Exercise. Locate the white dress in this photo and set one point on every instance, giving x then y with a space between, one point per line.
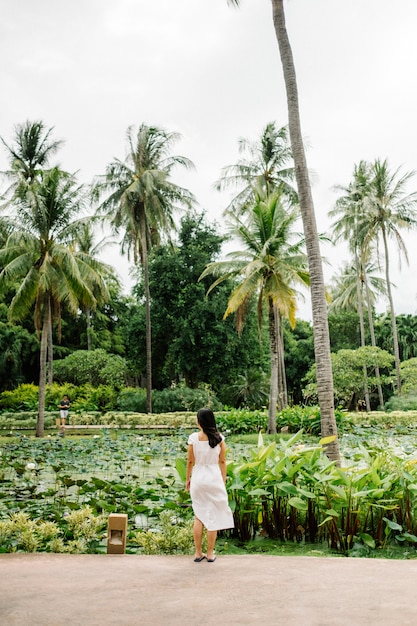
207 489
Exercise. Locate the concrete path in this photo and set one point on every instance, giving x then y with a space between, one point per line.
130 590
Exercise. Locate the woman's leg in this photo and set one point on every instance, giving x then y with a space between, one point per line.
211 541
198 537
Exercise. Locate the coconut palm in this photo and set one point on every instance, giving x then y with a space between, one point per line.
389 209
37 258
318 292
250 389
351 226
28 155
267 162
87 250
266 165
348 293
140 201
269 266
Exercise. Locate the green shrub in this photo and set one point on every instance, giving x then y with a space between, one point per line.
182 398
24 397
82 398
176 398
241 421
174 537
132 399
104 398
402 403
308 419
89 398
81 534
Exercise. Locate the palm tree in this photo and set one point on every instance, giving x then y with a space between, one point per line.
350 225
141 200
347 294
264 166
87 251
37 257
250 389
267 164
407 336
268 266
29 155
318 293
389 209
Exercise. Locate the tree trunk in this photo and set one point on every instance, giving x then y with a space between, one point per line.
362 329
147 313
284 375
373 340
282 383
89 329
318 299
50 348
393 320
273 390
42 372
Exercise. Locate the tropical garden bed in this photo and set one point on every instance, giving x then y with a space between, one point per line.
56 493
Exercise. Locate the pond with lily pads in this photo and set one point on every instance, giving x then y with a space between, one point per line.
286 490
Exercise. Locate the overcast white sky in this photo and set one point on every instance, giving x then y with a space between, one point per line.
91 68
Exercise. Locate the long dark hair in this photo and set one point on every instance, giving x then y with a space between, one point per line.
205 418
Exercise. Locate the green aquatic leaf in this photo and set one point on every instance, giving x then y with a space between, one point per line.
298 503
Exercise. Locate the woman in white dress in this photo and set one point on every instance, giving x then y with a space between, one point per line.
205 480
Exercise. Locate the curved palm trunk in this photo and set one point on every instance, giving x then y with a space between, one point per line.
319 306
273 390
373 339
393 320
147 314
362 329
42 373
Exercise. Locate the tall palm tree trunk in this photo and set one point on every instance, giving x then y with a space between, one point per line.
373 339
50 348
273 389
40 432
89 328
147 313
393 320
319 306
282 382
362 330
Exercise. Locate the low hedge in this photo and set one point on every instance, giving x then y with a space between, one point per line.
27 420
234 421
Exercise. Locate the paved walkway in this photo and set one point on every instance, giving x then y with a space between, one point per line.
129 590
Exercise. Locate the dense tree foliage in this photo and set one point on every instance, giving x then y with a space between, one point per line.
344 331
299 357
96 367
191 341
348 376
19 356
